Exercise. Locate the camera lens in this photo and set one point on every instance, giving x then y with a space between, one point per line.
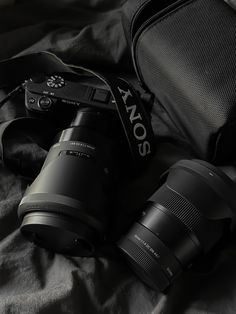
65 209
182 221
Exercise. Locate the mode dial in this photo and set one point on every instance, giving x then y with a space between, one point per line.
55 81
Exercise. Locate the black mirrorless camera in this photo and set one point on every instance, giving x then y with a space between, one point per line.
65 209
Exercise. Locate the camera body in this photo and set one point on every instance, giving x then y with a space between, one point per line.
65 209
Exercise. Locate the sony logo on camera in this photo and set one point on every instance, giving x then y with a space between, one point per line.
137 122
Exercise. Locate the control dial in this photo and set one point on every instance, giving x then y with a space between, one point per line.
56 81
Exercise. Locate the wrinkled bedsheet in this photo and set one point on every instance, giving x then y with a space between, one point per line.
34 280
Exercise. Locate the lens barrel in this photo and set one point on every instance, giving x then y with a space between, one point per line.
65 209
184 219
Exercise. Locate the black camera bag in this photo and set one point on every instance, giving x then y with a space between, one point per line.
185 53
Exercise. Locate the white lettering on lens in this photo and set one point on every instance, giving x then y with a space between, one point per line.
82 144
169 271
147 246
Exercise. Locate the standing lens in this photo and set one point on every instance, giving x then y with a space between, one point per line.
185 218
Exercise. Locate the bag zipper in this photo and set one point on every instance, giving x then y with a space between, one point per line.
144 18
145 11
135 18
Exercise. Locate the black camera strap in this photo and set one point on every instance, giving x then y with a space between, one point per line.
134 118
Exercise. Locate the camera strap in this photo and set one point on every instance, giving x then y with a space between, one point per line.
134 117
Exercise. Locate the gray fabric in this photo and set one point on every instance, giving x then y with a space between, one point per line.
33 280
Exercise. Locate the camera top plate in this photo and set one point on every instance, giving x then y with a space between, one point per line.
42 93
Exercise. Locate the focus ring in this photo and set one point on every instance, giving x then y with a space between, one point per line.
180 207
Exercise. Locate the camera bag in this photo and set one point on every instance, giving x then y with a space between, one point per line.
185 53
